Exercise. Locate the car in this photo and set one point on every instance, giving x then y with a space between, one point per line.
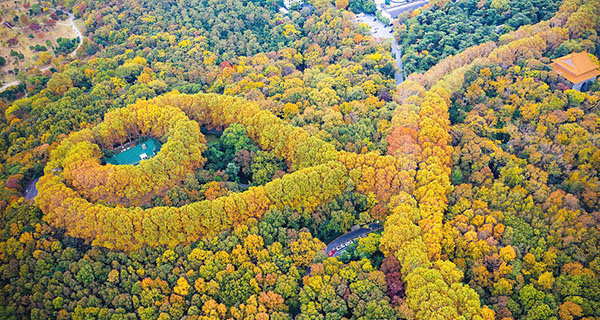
331 253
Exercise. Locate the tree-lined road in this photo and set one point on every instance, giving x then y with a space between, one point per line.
77 32
31 191
378 29
382 31
408 6
337 246
397 51
14 83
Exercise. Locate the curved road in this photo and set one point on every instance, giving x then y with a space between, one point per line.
382 31
337 246
74 27
31 191
71 22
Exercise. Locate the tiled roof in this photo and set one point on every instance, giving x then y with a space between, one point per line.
576 67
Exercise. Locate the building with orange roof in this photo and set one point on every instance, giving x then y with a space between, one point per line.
578 68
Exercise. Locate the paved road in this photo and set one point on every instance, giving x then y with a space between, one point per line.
74 27
31 192
378 29
397 52
341 243
14 83
382 31
17 82
395 11
72 54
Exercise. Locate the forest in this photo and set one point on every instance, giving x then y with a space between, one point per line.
282 133
449 28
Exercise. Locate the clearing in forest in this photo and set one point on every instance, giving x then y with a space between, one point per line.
30 36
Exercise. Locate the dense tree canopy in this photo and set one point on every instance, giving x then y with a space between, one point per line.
449 27
282 132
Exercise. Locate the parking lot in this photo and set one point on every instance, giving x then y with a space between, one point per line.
378 29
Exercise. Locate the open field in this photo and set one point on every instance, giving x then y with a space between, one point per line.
19 36
80 25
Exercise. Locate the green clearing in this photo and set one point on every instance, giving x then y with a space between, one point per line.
142 151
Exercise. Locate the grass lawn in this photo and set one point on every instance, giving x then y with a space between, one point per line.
22 33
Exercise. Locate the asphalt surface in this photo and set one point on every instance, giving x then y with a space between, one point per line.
378 29
14 83
395 11
397 52
31 192
77 32
341 243
382 31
